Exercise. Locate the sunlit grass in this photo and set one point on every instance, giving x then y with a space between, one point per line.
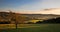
34 28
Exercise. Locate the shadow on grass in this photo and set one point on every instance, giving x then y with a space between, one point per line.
10 30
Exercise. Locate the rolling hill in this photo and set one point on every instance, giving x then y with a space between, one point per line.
12 17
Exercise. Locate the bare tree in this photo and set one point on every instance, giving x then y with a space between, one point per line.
17 18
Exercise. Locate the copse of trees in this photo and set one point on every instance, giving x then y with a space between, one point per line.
38 22
4 22
57 20
54 20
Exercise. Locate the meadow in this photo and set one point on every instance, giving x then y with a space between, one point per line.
31 28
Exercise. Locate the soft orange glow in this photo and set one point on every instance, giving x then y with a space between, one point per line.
48 11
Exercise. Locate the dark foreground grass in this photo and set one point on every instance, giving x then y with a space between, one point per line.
41 28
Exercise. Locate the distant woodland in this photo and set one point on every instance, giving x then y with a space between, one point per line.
11 18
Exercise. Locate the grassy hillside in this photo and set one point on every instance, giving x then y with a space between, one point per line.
35 28
11 17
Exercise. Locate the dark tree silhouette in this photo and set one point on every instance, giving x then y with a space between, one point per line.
38 22
53 20
4 22
57 20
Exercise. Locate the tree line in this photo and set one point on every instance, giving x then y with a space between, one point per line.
54 20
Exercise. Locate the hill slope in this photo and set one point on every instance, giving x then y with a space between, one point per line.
12 17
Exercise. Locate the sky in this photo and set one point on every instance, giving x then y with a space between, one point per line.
28 6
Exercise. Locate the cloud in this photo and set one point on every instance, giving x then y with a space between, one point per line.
51 11
50 4
38 5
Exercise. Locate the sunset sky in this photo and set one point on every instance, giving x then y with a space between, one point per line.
30 6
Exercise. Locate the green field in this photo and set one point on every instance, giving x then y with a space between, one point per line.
34 28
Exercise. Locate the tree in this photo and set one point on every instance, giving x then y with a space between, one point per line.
12 17
16 17
38 22
19 19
